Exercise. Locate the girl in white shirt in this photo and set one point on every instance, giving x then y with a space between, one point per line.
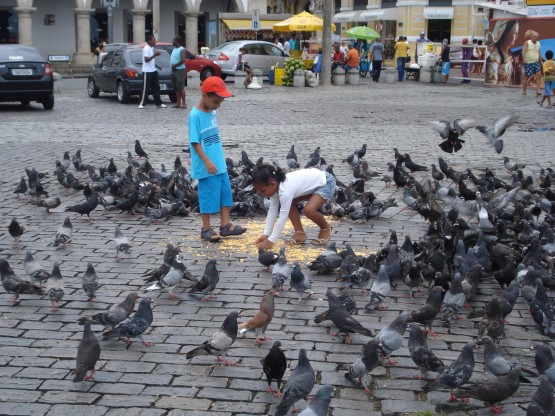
284 191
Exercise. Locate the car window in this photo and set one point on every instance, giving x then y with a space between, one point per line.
276 51
162 61
226 47
108 58
9 53
117 58
253 49
265 49
137 58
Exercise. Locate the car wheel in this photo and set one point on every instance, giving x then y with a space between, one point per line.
123 94
25 102
91 89
172 97
206 72
48 103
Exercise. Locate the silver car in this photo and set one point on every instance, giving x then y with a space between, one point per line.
260 55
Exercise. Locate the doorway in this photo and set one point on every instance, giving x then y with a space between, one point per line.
439 29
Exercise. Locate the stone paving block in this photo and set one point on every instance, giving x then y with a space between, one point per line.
29 409
69 410
137 411
393 407
119 388
126 400
18 395
185 403
74 397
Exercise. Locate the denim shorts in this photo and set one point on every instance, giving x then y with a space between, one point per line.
445 67
326 191
214 192
547 87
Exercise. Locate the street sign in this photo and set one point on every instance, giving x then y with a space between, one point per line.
379 27
256 19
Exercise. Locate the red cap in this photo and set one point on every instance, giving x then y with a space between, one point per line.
217 86
465 40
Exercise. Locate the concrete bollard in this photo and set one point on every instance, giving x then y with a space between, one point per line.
339 76
258 74
239 79
353 76
193 80
390 75
298 78
57 83
425 74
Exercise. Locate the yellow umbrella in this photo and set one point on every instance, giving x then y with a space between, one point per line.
302 22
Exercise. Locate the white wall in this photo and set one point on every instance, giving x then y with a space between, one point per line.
58 39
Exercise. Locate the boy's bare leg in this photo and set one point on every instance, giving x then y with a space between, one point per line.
224 215
205 221
311 211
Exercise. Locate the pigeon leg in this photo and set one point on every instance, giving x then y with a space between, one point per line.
497 409
364 292
91 300
453 398
145 343
411 295
278 394
14 298
173 295
269 390
295 410
348 339
93 372
53 308
388 362
381 307
365 387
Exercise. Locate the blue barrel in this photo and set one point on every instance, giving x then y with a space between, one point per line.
271 76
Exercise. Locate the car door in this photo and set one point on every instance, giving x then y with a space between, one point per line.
253 56
277 57
100 73
112 71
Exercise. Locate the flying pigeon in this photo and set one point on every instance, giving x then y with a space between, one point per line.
451 135
494 131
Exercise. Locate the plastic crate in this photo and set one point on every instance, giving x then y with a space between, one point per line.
278 73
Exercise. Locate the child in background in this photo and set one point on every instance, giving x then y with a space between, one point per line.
548 78
284 191
208 161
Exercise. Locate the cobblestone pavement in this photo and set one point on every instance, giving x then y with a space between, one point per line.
38 348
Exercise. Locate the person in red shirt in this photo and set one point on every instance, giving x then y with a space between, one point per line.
338 57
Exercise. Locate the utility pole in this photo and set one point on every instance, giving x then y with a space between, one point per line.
325 76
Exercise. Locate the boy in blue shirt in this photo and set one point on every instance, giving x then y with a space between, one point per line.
208 161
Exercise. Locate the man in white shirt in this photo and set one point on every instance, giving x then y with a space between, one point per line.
151 84
286 47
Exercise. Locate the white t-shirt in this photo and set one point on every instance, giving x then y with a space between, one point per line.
286 48
149 66
298 183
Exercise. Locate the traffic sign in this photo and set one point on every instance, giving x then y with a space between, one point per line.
256 19
379 27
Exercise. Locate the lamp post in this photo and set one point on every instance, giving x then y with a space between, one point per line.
110 5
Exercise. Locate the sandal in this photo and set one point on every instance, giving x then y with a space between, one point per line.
323 236
539 103
210 235
298 237
231 229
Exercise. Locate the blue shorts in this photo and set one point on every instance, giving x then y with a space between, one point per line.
214 192
547 87
326 191
445 67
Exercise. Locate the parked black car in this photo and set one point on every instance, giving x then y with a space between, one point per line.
121 72
25 76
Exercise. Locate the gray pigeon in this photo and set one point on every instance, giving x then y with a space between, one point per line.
379 291
369 360
391 337
494 131
327 261
121 242
542 310
208 283
136 326
343 320
421 354
457 374
169 254
220 342
453 301
50 203
542 403
16 231
280 271
34 269
88 354
55 287
361 276
299 281
63 235
89 282
15 285
545 363
116 314
298 386
321 403
174 276
267 258
393 265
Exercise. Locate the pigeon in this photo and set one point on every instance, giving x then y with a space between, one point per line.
427 313
280 271
262 318
493 391
86 207
413 279
55 287
453 301
134 327
208 283
175 275
298 386
343 320
299 281
369 360
393 265
139 150
267 258
542 403
313 159
88 354
274 366
15 285
361 276
169 255
451 135
457 374
492 323
379 291
220 342
121 242
63 235
321 403
291 158
494 362
113 316
494 131
391 337
421 354
15 231
327 261
50 203
34 269
542 310
413 167
346 300
21 187
89 282
545 363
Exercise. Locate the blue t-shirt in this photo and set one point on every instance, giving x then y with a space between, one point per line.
176 57
203 129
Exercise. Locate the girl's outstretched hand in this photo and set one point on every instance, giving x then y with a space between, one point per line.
265 244
261 239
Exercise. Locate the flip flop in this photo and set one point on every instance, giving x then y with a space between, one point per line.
539 103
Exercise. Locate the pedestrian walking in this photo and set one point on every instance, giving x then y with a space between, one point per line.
532 62
151 84
401 50
376 55
445 61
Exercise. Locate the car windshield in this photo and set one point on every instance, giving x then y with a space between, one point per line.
14 54
162 61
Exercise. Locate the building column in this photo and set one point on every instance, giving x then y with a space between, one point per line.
191 32
83 54
156 18
25 24
138 25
